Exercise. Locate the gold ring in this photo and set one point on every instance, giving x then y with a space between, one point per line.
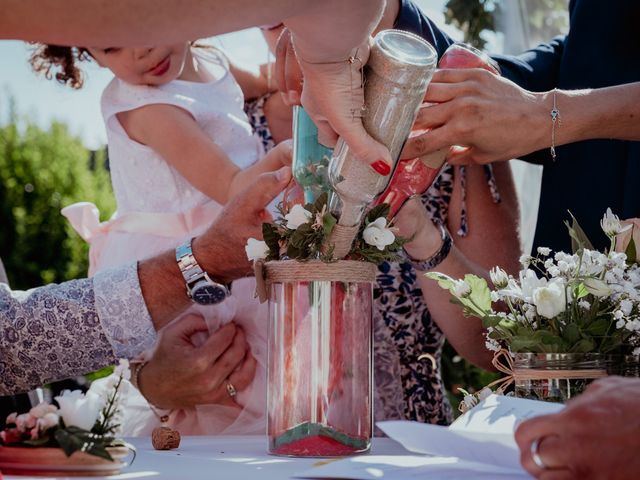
231 390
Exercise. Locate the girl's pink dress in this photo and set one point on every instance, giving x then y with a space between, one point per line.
158 209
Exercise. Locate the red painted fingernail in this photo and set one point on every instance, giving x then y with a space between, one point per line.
381 167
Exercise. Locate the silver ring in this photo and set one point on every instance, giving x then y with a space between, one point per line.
231 390
535 454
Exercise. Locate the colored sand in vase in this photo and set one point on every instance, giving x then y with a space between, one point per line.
317 440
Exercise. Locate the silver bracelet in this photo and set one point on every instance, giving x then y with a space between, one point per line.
555 118
437 258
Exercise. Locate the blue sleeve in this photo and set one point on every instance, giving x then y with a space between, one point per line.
536 70
411 19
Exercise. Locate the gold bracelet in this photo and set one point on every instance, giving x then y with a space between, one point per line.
555 118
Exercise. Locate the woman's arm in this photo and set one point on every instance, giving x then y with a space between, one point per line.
498 120
492 240
253 83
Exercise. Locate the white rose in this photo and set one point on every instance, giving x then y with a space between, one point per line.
461 289
25 422
78 409
550 301
378 235
499 277
256 249
596 287
297 216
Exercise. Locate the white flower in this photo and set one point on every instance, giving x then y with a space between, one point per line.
550 301
626 306
584 304
122 370
492 345
611 225
256 249
620 324
79 409
554 271
618 315
525 260
596 287
544 251
636 351
11 418
378 235
48 421
461 289
298 215
499 277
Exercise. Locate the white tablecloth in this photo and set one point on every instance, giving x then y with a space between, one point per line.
223 458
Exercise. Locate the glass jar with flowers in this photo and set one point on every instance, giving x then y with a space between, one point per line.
567 319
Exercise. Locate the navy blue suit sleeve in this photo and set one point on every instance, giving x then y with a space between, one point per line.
537 69
411 19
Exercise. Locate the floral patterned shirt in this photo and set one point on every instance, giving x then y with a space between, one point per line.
58 331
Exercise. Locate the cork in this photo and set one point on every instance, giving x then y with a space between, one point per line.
165 438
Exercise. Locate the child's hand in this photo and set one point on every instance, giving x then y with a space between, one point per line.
412 221
281 155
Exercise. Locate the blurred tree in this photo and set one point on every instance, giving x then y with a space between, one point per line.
42 171
546 19
472 17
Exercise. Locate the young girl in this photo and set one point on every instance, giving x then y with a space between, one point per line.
180 147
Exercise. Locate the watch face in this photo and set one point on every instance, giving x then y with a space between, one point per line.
206 294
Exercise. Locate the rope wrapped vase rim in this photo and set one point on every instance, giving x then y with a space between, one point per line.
283 271
503 362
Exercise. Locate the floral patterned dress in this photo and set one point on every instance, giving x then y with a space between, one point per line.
405 387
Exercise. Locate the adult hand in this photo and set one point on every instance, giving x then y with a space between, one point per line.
412 221
181 375
597 436
332 94
491 117
220 250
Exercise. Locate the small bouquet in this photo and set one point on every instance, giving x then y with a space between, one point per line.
82 423
302 232
585 302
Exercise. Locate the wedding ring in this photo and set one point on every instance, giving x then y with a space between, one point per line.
231 390
535 454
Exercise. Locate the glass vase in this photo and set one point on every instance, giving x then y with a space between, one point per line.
558 377
319 394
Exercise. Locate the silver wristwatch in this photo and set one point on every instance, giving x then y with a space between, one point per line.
200 287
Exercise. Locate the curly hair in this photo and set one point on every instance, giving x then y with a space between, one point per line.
46 59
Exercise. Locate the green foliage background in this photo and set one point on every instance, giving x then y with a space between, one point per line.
42 171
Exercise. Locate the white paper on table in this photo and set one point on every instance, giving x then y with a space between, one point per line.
482 435
407 467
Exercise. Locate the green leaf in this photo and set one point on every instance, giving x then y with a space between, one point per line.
580 291
585 345
320 202
571 333
480 293
631 251
378 211
73 439
579 239
271 237
598 328
328 222
444 281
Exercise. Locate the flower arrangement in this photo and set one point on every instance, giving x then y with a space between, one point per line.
584 302
85 422
301 233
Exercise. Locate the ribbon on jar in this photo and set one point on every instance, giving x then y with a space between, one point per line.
503 362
